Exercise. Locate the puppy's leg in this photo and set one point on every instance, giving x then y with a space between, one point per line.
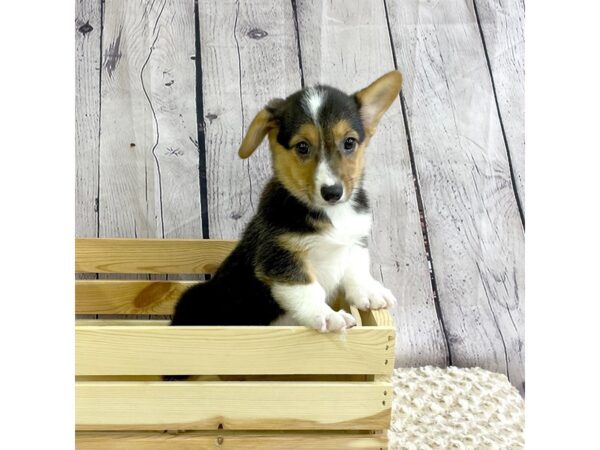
306 304
361 289
296 290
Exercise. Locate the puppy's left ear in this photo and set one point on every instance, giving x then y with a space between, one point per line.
375 99
262 123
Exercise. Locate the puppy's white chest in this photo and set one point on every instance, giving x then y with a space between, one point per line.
329 253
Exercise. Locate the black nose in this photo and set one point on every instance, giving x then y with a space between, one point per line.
332 193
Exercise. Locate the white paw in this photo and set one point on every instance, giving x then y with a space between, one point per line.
334 321
371 295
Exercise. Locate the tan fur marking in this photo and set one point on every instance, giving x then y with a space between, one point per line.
342 130
258 129
376 98
307 132
348 167
294 172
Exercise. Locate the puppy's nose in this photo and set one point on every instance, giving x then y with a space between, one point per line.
333 193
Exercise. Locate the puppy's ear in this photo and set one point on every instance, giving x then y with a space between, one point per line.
262 123
375 99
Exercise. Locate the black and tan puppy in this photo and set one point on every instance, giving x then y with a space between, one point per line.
308 239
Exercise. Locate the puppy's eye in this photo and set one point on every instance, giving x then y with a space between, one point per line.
302 148
349 145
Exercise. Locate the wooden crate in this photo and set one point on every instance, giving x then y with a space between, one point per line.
253 387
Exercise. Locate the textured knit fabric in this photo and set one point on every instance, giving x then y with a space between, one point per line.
455 408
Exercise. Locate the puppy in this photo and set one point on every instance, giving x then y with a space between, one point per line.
307 242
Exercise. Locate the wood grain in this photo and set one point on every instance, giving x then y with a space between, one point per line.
346 44
223 440
128 296
160 256
149 185
249 56
163 350
88 30
206 405
502 25
475 231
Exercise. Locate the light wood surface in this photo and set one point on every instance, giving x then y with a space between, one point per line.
502 24
88 32
150 255
249 56
346 44
148 163
128 296
222 440
162 350
206 405
473 221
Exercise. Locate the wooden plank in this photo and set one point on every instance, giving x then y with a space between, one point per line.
160 350
502 24
222 440
206 405
88 31
128 296
249 56
475 231
149 181
150 255
358 51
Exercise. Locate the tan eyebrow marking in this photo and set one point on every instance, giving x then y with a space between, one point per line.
306 132
342 130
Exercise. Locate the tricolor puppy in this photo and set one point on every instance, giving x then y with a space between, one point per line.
308 240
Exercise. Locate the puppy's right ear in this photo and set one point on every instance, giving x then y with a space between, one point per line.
264 122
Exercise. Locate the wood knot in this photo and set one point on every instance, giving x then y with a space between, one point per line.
85 28
153 293
257 33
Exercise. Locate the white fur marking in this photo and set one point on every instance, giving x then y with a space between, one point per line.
362 290
312 102
305 304
328 254
324 176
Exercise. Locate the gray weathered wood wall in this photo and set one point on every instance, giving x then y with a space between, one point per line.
166 88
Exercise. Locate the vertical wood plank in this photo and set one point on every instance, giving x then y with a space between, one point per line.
502 26
149 183
249 55
476 235
346 44
88 31
88 36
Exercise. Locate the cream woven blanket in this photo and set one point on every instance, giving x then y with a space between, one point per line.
455 408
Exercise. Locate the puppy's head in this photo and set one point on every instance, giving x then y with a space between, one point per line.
318 138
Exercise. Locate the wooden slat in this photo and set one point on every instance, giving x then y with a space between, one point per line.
162 350
206 405
358 51
502 24
249 56
473 221
222 440
88 33
150 255
148 161
128 296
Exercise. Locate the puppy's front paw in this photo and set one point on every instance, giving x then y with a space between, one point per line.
334 321
371 295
